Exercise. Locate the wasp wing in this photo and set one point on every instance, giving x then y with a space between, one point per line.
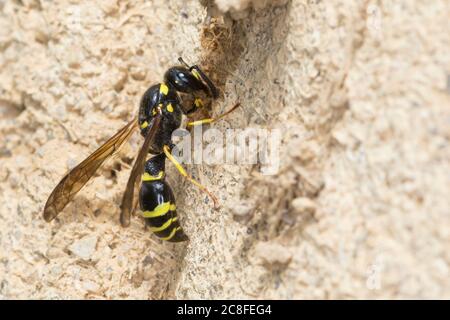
138 167
72 182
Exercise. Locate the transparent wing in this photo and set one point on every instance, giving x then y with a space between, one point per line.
72 182
138 167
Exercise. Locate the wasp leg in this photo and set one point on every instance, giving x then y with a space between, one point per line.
182 171
211 120
198 104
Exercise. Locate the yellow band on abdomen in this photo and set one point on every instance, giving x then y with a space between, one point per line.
160 210
170 236
164 226
148 177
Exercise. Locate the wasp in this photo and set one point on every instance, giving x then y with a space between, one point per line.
160 113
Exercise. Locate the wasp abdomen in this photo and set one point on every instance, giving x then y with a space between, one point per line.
157 202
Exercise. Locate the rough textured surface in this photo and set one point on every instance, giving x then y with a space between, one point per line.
360 208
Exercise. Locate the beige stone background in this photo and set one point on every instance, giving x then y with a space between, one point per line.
359 209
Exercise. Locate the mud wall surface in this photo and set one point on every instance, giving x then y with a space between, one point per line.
359 91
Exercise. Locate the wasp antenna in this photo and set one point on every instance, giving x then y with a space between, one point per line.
180 59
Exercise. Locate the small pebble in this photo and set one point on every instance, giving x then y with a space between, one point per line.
303 205
90 286
84 248
242 208
272 254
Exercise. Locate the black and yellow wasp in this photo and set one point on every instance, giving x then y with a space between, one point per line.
160 113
